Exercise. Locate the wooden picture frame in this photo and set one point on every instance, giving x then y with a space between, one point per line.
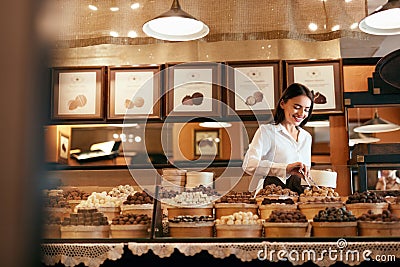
324 78
134 92
193 89
253 87
77 93
207 143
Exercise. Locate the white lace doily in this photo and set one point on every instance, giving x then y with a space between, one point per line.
321 253
92 255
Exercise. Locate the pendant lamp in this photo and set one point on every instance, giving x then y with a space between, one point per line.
215 124
359 138
317 124
383 21
175 25
377 125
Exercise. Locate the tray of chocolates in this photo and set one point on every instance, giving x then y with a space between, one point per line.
320 194
191 226
269 205
334 222
382 224
138 203
360 203
273 191
130 226
235 202
239 224
85 223
286 224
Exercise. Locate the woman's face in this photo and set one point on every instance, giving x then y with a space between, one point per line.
296 109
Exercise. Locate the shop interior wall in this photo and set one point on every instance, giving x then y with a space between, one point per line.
111 55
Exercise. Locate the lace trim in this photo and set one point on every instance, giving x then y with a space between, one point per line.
321 253
92 255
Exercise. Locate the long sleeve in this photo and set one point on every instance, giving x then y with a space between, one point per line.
257 162
272 149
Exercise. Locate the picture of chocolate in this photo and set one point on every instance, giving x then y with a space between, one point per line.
187 100
197 98
138 102
255 98
250 100
79 101
129 104
319 98
258 96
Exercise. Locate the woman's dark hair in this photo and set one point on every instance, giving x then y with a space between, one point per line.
295 89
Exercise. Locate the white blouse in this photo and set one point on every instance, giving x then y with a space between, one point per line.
273 148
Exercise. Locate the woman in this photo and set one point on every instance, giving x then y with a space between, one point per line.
388 181
282 150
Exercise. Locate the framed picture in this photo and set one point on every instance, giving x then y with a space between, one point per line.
63 148
323 77
77 93
193 89
206 143
253 87
134 92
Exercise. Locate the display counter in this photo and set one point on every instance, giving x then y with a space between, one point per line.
320 252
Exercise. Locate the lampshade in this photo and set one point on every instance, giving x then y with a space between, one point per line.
377 125
383 21
359 138
215 124
175 25
317 124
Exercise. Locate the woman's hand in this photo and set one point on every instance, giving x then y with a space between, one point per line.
296 167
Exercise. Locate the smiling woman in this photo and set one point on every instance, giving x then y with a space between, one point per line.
279 151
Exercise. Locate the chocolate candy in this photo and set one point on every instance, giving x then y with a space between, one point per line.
287 216
87 217
238 197
190 218
365 197
385 216
273 189
334 215
138 198
286 201
131 219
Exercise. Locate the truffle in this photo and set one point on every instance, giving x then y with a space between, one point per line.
197 98
187 100
319 98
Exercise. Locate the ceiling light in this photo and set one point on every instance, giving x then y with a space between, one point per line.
316 124
313 27
359 138
114 34
132 34
92 7
377 125
175 25
335 28
354 26
114 8
383 21
135 6
215 124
